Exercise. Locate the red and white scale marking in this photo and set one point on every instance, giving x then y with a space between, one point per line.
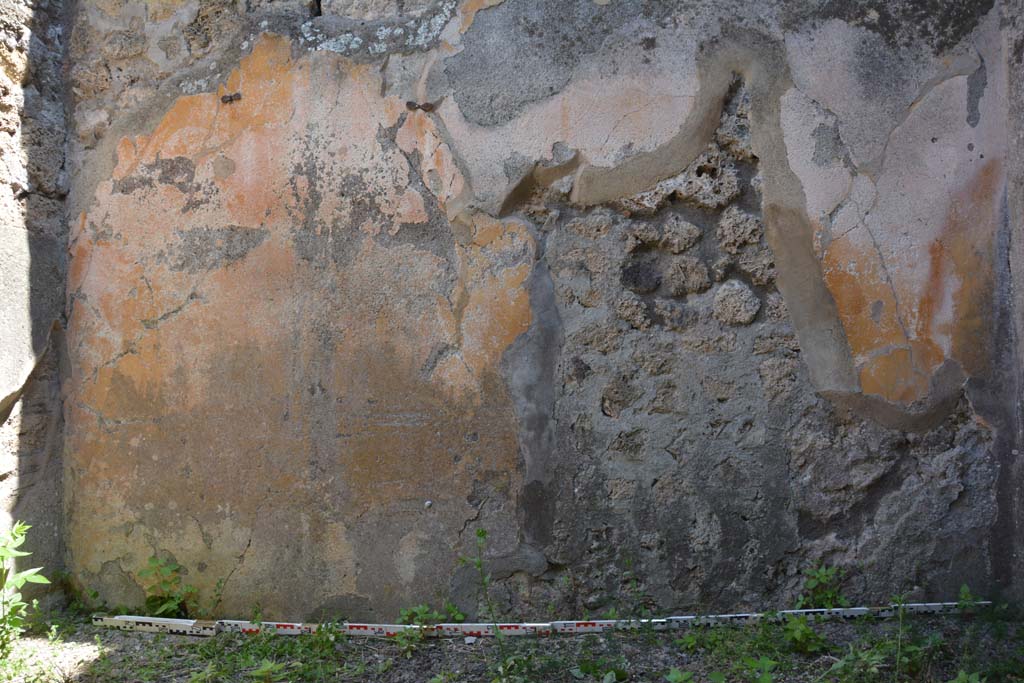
196 627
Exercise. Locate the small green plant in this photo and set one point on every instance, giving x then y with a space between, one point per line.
635 602
512 669
859 664
327 638
900 601
443 677
269 672
760 670
420 615
506 667
964 677
898 655
967 601
13 608
674 675
209 674
822 588
167 595
690 642
82 601
801 637
600 668
205 611
917 654
408 642
453 613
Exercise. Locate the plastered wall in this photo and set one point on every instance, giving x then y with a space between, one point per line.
693 293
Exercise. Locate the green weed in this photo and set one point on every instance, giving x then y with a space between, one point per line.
13 609
759 670
507 668
167 594
674 675
822 588
408 642
801 637
964 677
858 665
600 668
269 672
443 677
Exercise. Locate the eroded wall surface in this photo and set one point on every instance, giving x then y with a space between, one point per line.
33 245
691 294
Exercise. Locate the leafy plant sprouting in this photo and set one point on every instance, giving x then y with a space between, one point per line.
83 601
822 588
900 655
209 674
420 615
615 676
269 672
408 642
859 665
453 613
206 611
913 653
167 594
760 670
425 615
967 601
509 668
800 636
443 677
674 675
601 668
12 608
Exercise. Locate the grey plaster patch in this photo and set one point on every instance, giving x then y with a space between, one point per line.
939 24
522 51
202 249
828 146
870 87
529 365
178 172
976 83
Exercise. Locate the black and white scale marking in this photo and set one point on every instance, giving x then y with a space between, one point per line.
196 627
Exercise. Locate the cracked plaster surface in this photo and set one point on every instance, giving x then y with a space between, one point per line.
439 308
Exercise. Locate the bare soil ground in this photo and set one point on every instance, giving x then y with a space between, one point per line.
962 649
